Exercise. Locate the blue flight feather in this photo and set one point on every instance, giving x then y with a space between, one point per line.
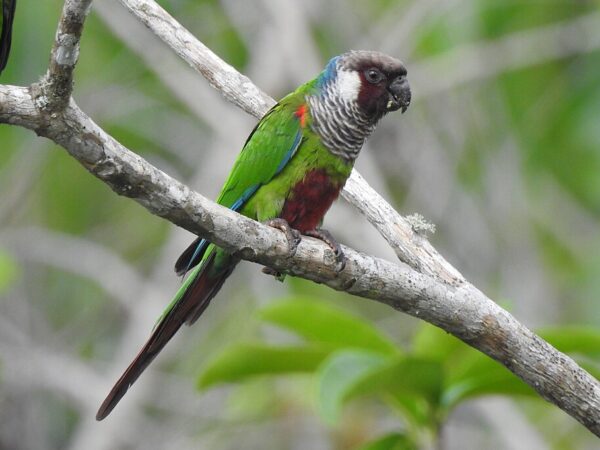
199 248
290 153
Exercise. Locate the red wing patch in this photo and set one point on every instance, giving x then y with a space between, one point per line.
301 115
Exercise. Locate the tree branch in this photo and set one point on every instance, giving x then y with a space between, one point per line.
57 84
438 295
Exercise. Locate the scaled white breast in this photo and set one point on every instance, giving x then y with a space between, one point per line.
348 85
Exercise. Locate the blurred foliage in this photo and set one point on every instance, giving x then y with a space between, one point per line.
422 385
9 270
505 163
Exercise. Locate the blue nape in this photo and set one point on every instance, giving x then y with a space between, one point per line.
329 73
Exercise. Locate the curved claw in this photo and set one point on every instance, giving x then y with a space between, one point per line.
325 236
340 262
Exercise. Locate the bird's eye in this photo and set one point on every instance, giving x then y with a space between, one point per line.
373 76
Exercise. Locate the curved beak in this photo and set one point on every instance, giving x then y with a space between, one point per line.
399 91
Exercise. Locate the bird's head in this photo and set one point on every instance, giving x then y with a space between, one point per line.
374 81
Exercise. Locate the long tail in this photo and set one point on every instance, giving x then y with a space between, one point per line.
8 14
189 303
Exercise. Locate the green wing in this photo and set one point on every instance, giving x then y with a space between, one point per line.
268 149
270 146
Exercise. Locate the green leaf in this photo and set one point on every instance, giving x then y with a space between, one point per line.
480 375
468 373
405 375
393 441
414 384
9 271
243 360
583 340
433 343
320 322
477 375
340 374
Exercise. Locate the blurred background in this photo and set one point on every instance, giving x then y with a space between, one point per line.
500 149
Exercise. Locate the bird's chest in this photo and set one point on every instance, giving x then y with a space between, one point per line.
309 199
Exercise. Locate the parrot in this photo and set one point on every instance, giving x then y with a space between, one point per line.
290 170
8 14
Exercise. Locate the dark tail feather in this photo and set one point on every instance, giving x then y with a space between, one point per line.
187 309
8 14
191 256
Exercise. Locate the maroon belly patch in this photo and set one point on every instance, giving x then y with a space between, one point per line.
309 200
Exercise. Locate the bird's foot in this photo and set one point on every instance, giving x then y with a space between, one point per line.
325 236
293 237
